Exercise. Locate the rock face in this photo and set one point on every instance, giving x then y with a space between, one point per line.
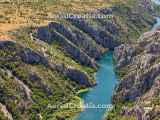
85 40
70 48
25 54
78 76
30 57
100 36
74 74
146 4
136 84
77 38
5 112
140 64
124 54
27 77
55 64
142 113
110 27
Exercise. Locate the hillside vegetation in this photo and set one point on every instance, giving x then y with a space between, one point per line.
46 62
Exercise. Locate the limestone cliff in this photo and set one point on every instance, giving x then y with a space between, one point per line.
46 65
139 68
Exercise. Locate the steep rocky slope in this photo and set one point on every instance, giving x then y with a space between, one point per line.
29 82
85 40
139 68
46 66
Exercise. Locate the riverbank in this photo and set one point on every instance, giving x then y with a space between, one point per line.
102 93
137 95
50 62
83 91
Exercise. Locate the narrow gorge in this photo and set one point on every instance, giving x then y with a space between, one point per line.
99 97
47 64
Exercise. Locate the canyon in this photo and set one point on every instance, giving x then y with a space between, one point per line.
49 64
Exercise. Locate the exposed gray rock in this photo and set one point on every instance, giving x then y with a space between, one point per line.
106 10
78 76
153 47
142 66
30 57
71 49
6 113
100 36
146 4
109 26
74 74
141 112
79 39
123 54
135 85
44 34
25 54
27 91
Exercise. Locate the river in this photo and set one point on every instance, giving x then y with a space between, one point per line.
102 93
157 24
156 1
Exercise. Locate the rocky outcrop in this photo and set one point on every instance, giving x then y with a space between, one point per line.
71 49
31 80
124 54
74 74
85 39
24 88
78 76
20 52
142 113
78 38
5 112
28 79
141 64
100 36
147 5
109 26
136 84
153 48
30 57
